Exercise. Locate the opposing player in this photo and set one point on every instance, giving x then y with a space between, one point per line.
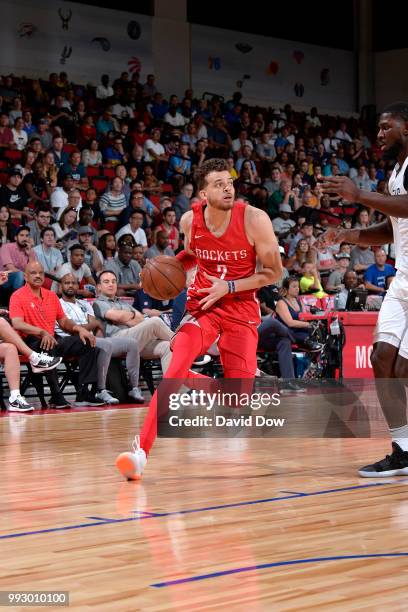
390 355
224 239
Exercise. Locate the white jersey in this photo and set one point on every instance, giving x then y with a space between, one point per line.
399 226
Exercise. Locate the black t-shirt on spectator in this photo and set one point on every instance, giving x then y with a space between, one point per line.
310 214
16 199
39 184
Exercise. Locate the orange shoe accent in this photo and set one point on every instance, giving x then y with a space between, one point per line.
124 463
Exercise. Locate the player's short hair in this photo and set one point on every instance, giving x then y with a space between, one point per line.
397 109
211 165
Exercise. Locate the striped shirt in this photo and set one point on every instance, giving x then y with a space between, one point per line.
111 203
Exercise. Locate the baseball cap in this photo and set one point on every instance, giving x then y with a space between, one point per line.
16 172
343 256
84 230
285 208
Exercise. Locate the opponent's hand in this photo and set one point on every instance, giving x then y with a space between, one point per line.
341 185
47 342
331 236
218 289
86 335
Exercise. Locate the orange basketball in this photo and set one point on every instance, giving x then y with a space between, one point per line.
163 277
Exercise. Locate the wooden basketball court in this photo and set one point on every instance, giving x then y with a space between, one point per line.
237 524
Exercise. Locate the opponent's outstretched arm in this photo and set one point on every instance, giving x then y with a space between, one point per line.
395 205
376 235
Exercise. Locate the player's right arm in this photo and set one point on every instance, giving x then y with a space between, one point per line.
376 235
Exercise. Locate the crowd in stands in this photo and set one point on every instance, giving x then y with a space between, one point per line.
97 179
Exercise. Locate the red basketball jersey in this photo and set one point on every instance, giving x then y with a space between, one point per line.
229 257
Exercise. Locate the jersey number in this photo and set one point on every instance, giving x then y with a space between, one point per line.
222 270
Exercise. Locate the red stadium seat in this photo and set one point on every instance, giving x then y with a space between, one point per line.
109 172
13 155
99 183
155 199
69 147
93 171
167 188
3 177
4 163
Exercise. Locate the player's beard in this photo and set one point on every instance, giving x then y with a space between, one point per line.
223 204
393 152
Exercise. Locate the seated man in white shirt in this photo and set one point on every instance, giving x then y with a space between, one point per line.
81 312
59 197
80 270
134 227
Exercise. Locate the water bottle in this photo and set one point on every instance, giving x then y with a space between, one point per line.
335 327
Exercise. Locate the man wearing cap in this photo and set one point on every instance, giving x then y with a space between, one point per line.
13 195
80 270
283 224
335 280
92 256
14 257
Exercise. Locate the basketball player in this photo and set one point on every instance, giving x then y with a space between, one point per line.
390 355
224 238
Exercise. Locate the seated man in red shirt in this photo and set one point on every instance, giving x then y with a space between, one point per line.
34 312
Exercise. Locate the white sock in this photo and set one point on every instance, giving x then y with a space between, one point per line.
400 436
34 358
14 393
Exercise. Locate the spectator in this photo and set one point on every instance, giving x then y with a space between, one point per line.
65 228
105 124
27 160
42 219
306 231
362 179
173 118
48 255
14 196
14 256
273 183
120 319
28 125
134 227
76 169
104 90
149 88
303 252
19 135
342 133
190 137
285 195
335 280
310 280
115 154
7 228
43 133
153 149
361 258
161 246
80 270
288 310
151 183
6 135
330 142
60 156
126 269
283 224
59 197
350 281
85 217
38 324
81 313
36 185
113 201
107 246
179 168
265 149
169 227
139 255
313 118
219 140
375 276
93 258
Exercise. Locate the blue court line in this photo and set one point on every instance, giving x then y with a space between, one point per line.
294 492
108 521
251 568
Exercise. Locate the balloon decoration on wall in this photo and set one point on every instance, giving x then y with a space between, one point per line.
65 18
298 56
273 68
324 76
134 64
104 43
134 30
214 63
243 47
65 54
26 29
299 90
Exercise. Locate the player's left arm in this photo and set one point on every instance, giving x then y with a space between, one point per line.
260 232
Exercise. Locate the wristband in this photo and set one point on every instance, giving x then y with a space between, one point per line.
231 286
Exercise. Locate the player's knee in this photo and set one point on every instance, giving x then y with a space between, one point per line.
401 368
382 360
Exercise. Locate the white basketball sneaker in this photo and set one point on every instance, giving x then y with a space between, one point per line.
131 464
